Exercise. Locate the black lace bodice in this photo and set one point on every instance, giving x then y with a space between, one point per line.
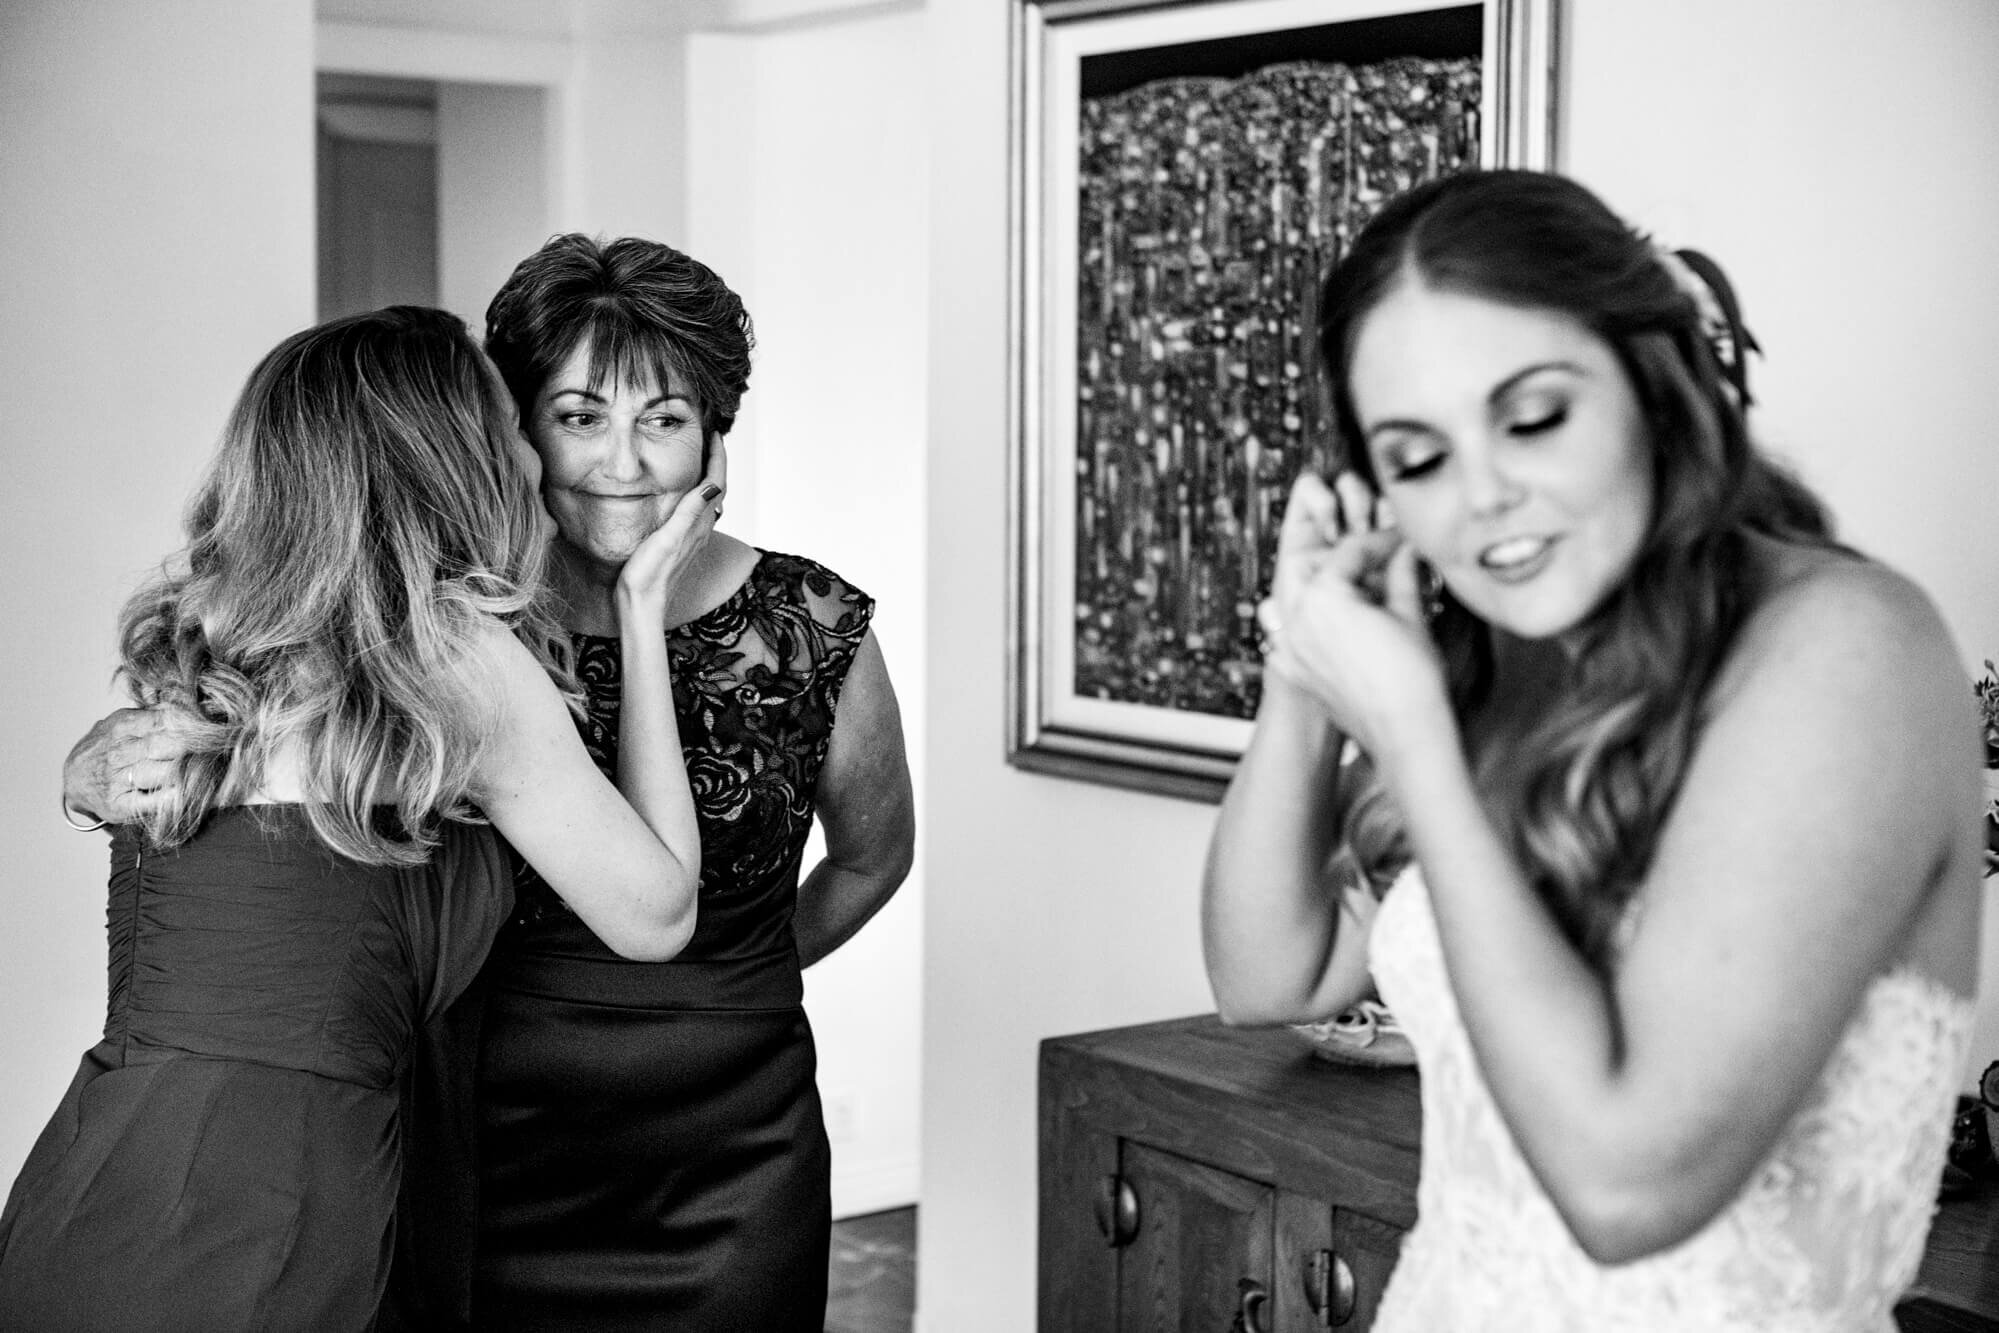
755 683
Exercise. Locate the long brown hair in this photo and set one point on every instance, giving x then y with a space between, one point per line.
1603 762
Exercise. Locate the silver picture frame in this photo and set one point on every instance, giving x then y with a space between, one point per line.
1063 719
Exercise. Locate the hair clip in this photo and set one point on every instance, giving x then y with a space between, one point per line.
1720 314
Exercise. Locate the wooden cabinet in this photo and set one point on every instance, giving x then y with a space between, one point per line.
1196 1178
1201 1179
1957 1289
1192 1229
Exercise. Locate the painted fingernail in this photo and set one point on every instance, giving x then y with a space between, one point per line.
710 491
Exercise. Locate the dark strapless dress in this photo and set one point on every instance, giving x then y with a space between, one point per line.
228 1156
646 1138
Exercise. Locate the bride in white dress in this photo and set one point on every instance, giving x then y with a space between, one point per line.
1679 799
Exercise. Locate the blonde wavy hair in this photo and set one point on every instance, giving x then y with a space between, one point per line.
366 511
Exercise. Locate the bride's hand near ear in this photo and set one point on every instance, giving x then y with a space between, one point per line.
1278 943
1345 617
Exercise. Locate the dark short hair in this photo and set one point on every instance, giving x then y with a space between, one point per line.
649 312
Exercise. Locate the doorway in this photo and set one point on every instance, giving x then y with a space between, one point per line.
376 164
430 190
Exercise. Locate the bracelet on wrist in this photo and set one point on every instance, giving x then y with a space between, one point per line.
80 828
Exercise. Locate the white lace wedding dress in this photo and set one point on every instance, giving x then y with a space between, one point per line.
1826 1235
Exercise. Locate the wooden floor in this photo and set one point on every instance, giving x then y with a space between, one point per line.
871 1278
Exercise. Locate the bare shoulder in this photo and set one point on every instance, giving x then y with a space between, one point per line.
1844 612
496 648
509 682
1850 651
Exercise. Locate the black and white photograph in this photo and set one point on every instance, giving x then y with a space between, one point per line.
1184 174
999 666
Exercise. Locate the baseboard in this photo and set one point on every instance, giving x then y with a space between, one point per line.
872 1187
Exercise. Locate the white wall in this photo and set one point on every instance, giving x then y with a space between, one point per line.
155 241
495 188
808 193
1054 906
608 86
1838 158
624 126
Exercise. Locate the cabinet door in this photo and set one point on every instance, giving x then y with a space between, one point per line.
1202 1234
1301 1268
1330 1266
1079 1225
1366 1250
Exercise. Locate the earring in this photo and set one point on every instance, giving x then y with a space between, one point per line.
1431 585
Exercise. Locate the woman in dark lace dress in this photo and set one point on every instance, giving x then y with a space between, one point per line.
649 1142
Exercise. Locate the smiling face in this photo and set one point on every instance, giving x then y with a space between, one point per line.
615 458
1512 448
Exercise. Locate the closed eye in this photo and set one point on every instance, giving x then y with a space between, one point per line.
1539 425
1406 450
1415 467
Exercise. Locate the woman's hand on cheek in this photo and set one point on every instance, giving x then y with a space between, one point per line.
655 567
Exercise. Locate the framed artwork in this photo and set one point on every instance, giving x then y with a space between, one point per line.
1183 175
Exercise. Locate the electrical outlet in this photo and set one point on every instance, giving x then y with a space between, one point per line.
843 1116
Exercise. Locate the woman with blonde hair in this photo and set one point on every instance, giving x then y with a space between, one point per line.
1685 845
357 644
